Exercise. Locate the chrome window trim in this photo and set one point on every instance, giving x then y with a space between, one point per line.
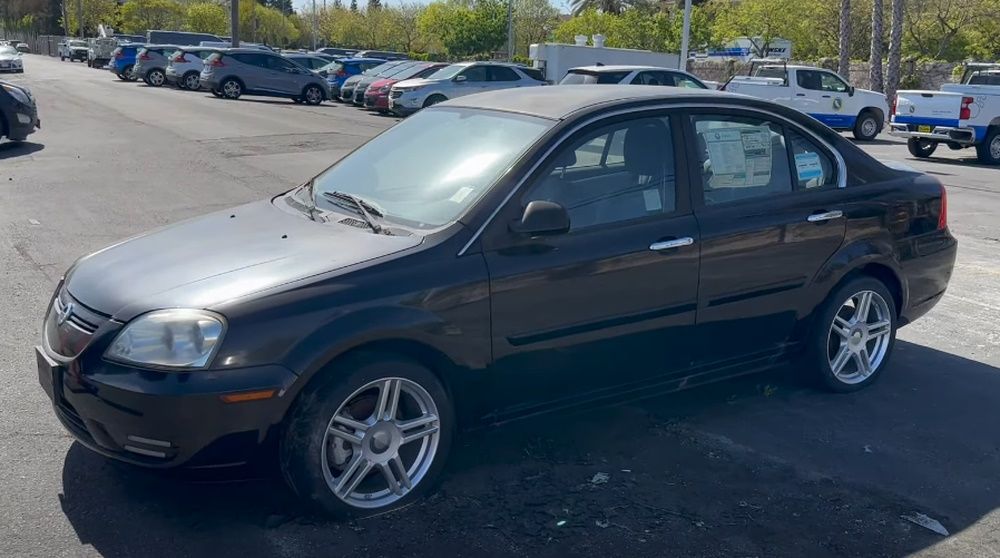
841 164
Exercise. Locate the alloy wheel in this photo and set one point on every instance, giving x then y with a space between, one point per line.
192 82
314 96
869 127
155 78
380 443
859 337
995 148
231 89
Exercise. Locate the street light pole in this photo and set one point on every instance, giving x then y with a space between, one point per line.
234 24
79 17
685 36
314 26
510 30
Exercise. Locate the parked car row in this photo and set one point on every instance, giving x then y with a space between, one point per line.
10 60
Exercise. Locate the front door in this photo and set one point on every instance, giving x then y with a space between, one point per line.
825 97
476 81
612 301
284 77
767 204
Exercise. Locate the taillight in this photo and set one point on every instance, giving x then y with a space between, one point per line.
145 57
892 107
965 112
179 57
341 73
217 63
119 56
943 214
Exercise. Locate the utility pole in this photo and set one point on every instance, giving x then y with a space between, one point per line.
315 15
685 36
510 30
234 24
79 17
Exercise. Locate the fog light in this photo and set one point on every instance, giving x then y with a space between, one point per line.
24 118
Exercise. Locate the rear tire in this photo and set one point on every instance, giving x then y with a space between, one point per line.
316 453
920 147
191 81
867 126
128 73
849 347
231 89
988 152
155 78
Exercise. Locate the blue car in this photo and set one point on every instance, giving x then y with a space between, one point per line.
123 60
338 72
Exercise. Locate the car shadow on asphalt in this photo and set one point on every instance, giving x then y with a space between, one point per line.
11 149
672 475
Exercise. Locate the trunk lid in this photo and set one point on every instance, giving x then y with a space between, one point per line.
934 108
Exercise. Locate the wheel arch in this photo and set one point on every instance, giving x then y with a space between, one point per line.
995 123
871 257
878 113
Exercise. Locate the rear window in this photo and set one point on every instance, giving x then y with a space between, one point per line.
984 79
779 73
534 73
582 77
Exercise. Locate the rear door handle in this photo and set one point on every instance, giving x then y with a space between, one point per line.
668 244
800 94
825 216
826 96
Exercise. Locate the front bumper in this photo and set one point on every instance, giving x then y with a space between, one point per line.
22 121
405 103
378 101
947 134
11 67
347 94
163 419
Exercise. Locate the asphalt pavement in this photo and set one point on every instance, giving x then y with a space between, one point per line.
762 466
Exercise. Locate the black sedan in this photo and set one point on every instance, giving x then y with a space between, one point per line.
496 256
18 112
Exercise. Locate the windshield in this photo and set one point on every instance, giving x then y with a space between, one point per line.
425 171
380 68
583 77
77 43
7 50
448 72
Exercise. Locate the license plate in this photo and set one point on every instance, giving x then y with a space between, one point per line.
50 373
924 129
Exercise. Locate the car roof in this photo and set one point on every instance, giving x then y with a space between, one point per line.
622 68
359 60
560 101
488 63
250 50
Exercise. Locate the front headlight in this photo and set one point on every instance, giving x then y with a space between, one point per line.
177 338
385 89
20 95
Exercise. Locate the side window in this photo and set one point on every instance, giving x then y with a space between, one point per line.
809 79
832 82
740 158
813 168
617 173
681 80
652 78
427 71
279 64
251 59
475 73
502 73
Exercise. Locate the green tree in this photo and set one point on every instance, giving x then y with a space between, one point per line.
760 21
205 17
534 22
138 16
466 30
95 12
261 24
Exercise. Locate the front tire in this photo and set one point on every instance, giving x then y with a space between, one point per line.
920 147
434 99
867 126
853 336
988 152
312 95
370 436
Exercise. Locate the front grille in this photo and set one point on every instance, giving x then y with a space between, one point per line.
69 325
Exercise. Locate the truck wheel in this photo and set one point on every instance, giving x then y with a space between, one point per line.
62 58
920 147
989 151
867 126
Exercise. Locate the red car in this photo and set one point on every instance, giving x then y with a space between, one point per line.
377 94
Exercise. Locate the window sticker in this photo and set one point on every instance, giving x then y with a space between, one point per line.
739 156
461 194
652 199
808 167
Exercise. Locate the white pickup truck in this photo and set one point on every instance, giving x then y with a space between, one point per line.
819 93
965 114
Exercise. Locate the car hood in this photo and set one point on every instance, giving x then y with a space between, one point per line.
416 82
352 80
78 48
9 57
382 83
218 257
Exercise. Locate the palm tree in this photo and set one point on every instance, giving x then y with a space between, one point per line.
875 59
606 6
895 49
844 64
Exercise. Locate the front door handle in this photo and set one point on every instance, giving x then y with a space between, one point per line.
668 244
825 216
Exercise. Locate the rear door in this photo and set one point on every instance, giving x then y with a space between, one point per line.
770 211
253 71
502 77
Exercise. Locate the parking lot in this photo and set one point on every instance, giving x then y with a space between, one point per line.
762 466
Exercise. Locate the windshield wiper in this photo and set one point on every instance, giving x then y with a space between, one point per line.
366 209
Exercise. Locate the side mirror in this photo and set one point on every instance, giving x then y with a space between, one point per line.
542 218
460 78
850 90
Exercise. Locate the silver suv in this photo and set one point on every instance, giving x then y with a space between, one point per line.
151 63
184 67
233 72
460 79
